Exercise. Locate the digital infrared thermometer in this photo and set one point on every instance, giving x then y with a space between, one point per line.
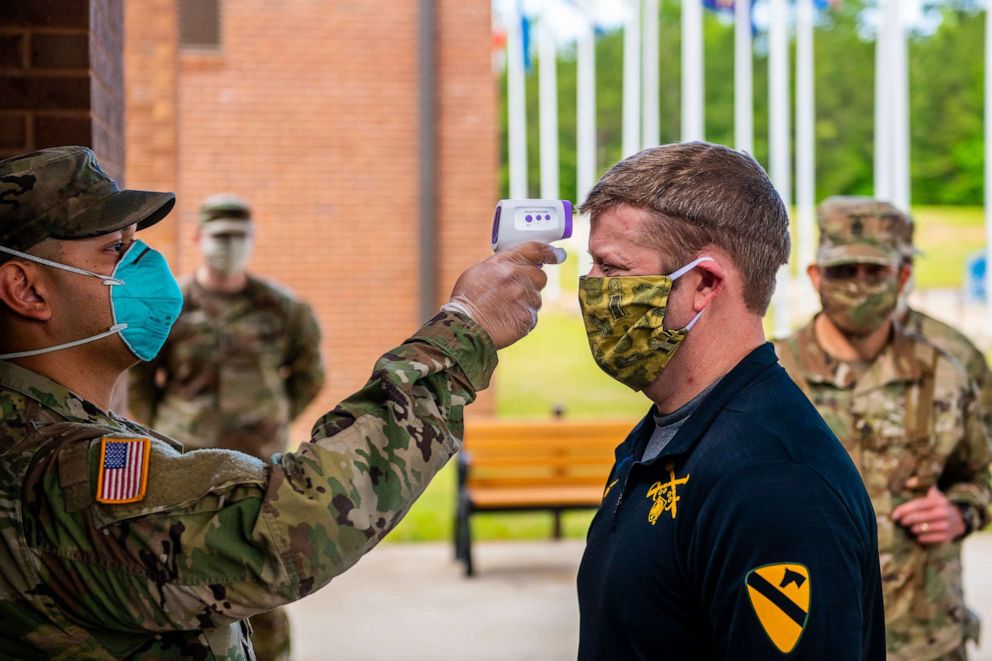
520 221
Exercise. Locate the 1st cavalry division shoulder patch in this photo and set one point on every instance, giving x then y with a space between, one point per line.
780 596
123 470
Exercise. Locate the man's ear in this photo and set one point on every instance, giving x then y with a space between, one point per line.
24 291
905 273
813 271
712 278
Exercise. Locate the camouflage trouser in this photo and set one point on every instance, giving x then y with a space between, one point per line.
270 635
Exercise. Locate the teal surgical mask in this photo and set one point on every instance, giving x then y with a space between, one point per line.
144 297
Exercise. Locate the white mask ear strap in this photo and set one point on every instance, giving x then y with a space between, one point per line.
694 320
688 267
682 271
116 328
107 280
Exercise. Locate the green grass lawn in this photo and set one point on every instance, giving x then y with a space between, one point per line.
552 367
948 237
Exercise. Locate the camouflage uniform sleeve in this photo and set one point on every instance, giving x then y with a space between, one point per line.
143 392
220 535
306 368
979 370
965 478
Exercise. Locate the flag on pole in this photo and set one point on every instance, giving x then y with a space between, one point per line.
525 41
729 5
719 5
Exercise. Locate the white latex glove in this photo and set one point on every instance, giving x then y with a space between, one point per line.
503 293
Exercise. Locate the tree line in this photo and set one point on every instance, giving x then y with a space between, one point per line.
946 67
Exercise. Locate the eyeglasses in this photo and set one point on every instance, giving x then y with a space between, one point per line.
873 273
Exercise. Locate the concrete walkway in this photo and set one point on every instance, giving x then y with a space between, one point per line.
410 601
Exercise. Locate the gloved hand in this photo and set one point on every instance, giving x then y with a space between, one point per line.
502 293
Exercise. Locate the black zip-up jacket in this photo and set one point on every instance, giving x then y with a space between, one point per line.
751 536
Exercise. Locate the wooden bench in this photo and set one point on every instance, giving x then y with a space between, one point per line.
554 465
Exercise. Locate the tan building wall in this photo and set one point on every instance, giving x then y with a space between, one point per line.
310 110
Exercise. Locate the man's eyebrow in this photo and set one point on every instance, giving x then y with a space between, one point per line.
607 254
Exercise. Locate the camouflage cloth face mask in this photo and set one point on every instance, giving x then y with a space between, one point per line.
624 319
859 307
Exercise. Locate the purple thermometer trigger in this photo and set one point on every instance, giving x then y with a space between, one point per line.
496 224
568 219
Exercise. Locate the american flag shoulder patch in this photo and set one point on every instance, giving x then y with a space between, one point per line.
123 470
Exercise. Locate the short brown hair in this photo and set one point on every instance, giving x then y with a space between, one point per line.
702 194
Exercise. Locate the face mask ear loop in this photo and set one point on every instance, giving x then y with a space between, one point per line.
694 320
116 328
682 271
107 280
688 267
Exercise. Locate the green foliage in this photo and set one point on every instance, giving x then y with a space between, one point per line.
946 93
946 101
845 116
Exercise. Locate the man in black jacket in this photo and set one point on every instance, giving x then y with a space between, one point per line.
733 524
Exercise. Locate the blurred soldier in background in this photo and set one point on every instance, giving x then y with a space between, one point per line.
943 335
241 363
908 414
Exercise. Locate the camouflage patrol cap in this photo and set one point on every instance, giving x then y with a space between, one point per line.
61 193
225 213
909 249
861 229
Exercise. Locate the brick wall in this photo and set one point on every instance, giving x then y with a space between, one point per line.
61 76
309 110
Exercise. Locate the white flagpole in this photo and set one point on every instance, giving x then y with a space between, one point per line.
516 107
805 134
548 102
778 133
586 138
692 71
883 107
586 111
743 85
649 69
632 79
900 107
988 165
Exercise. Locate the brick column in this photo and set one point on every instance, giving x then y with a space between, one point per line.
151 51
61 77
468 157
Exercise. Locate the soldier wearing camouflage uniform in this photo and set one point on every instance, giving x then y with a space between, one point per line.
945 336
114 542
241 363
243 359
909 416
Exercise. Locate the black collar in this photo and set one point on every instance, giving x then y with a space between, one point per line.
748 369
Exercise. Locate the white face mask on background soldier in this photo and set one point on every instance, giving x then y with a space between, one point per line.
227 253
